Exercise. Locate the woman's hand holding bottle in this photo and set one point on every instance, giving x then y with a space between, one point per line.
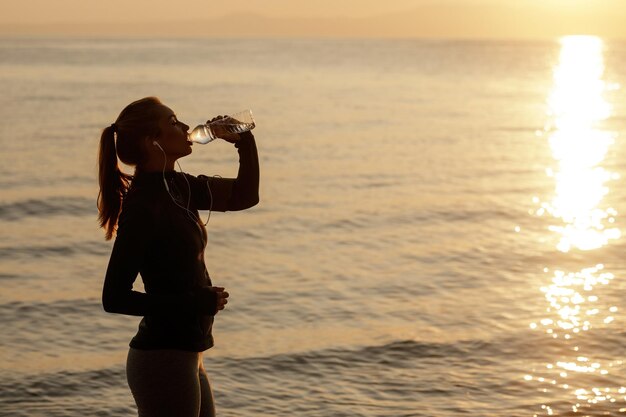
221 131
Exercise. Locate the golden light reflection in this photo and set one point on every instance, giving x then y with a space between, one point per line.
574 304
570 298
576 106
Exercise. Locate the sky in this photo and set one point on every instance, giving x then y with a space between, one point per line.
527 19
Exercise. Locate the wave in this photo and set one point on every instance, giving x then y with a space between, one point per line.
59 384
53 206
457 215
46 251
29 311
477 377
63 383
523 345
8 276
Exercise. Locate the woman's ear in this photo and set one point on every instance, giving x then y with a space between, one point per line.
148 146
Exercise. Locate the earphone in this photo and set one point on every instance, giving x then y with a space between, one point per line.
155 143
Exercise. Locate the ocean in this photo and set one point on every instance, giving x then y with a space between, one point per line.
439 231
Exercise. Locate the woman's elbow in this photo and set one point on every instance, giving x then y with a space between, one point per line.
243 204
253 201
110 303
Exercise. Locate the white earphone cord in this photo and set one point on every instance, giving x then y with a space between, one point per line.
191 215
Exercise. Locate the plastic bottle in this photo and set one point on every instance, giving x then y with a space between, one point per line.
236 123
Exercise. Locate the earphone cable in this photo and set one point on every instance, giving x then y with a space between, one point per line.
192 216
189 195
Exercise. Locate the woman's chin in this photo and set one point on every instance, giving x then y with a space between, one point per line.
186 151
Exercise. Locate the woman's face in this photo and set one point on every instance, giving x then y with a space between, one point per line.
173 136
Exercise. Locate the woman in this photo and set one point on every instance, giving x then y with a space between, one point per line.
160 235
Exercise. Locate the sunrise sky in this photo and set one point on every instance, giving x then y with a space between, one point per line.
320 18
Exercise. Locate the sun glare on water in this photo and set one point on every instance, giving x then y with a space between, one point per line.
576 106
581 220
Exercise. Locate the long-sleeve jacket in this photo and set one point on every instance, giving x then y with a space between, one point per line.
159 239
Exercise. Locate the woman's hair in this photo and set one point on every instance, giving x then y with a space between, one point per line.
123 139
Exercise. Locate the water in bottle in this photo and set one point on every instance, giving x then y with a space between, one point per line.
236 123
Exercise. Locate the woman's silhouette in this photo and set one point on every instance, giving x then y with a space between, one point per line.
159 234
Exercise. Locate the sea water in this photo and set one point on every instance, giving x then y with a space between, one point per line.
418 250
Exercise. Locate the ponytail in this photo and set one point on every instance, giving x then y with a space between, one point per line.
123 139
113 183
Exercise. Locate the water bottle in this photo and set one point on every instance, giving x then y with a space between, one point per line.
236 123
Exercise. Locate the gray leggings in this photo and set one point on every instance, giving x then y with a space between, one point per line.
169 383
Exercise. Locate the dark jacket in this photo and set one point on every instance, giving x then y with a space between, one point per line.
159 239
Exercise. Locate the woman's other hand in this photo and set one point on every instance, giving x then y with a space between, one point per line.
210 300
222 297
221 132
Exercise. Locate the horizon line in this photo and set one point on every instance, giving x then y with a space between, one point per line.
160 37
